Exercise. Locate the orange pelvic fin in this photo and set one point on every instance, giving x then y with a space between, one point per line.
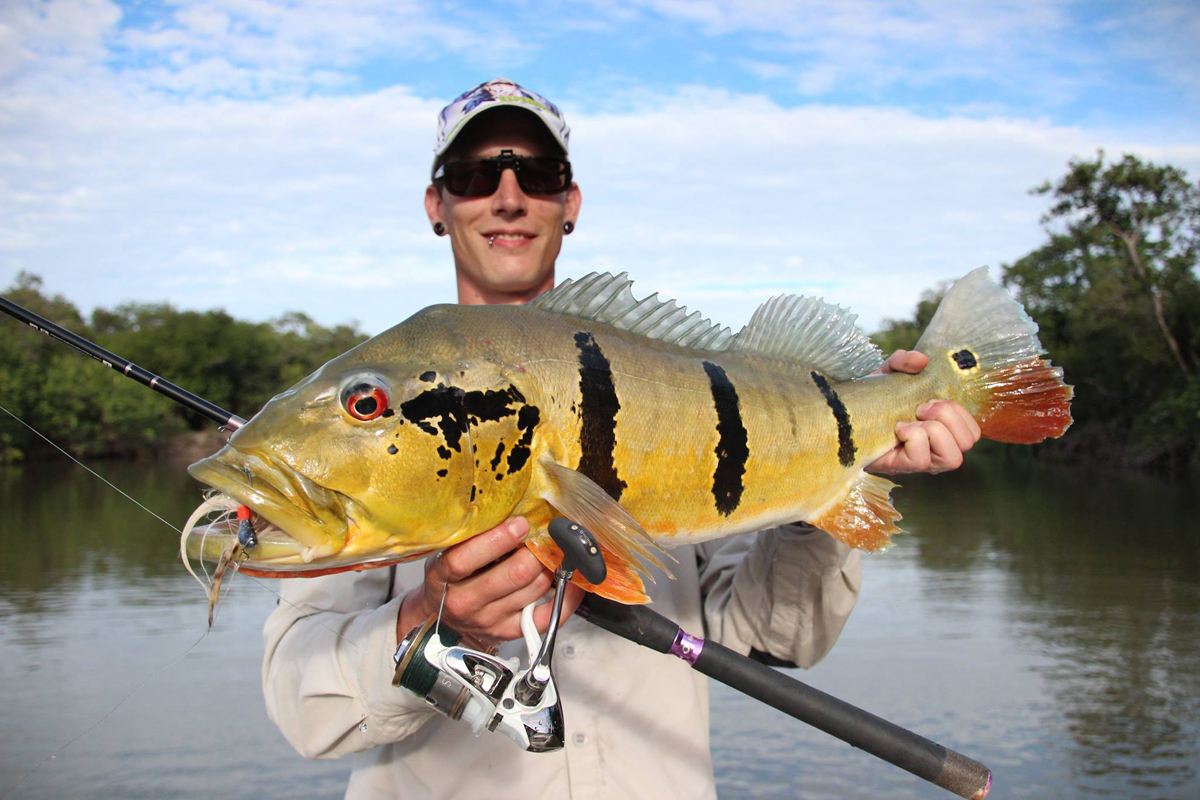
866 518
1025 403
627 548
622 583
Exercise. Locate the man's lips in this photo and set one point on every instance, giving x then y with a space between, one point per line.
508 240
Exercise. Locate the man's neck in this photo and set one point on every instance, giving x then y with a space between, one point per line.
471 295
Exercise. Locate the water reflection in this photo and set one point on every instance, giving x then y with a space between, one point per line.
1042 619
1103 582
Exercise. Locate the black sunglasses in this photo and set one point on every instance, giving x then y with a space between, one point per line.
480 177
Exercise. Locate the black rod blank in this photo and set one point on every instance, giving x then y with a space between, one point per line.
886 740
127 368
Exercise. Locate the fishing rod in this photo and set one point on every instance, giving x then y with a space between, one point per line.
899 746
185 398
531 716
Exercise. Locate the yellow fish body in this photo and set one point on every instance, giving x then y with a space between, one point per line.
649 426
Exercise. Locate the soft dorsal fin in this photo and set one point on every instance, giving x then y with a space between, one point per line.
790 328
811 332
607 298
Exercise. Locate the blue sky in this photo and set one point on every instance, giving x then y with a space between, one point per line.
267 156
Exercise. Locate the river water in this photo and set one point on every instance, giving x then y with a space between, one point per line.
1041 619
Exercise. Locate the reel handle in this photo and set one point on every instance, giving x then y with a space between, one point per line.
580 550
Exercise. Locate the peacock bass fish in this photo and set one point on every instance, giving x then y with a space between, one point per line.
650 426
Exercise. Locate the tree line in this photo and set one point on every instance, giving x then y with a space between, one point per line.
93 411
1115 292
1114 289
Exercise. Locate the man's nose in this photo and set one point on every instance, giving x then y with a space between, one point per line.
509 199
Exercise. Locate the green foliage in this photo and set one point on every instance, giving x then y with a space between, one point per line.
91 410
1116 295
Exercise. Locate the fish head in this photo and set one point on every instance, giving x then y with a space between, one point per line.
377 457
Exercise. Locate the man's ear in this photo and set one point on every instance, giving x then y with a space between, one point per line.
433 204
574 201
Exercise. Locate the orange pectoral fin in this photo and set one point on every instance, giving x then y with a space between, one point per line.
622 583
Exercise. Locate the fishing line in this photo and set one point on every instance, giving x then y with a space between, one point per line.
103 719
175 660
278 596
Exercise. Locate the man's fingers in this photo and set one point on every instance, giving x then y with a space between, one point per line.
915 455
958 421
571 600
463 560
910 361
517 580
944 453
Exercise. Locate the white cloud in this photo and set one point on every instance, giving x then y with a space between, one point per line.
228 190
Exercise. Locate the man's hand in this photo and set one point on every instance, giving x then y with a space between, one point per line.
937 441
486 584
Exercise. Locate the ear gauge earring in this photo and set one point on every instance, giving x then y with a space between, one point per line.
439 229
568 226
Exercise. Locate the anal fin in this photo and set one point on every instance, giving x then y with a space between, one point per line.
622 540
865 519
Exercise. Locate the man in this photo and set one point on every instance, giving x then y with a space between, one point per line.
637 722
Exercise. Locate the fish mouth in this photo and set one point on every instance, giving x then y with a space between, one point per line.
300 523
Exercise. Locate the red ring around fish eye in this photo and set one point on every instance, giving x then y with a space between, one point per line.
365 400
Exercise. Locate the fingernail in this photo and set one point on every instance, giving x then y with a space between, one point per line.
519 526
925 406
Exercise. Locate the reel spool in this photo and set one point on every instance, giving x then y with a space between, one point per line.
496 693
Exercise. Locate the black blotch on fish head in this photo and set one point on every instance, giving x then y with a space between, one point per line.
496 458
499 476
443 452
441 473
965 359
527 420
472 493
429 377
392 449
389 412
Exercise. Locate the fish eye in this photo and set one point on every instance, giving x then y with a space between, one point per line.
365 397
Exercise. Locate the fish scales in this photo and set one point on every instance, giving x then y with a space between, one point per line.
651 427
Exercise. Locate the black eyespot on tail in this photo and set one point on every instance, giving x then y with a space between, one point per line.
733 448
846 448
598 416
965 359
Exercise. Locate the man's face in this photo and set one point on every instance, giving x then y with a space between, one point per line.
504 244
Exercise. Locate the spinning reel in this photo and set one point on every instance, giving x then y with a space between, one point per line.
496 693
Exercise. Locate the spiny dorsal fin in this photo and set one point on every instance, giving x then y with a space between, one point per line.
811 332
607 298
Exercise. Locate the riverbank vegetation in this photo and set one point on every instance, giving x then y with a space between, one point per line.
93 411
1115 291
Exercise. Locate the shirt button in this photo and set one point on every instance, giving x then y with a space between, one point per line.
580 738
569 651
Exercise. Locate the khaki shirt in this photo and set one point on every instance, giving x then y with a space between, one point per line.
636 720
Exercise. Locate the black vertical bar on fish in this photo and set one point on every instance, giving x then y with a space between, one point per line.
127 368
910 751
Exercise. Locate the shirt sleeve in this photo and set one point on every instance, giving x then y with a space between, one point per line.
327 668
785 592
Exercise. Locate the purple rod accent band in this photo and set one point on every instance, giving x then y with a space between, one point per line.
686 646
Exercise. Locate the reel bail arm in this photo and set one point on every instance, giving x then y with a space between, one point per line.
492 692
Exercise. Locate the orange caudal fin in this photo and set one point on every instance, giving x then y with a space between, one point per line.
622 583
866 518
1025 403
990 344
